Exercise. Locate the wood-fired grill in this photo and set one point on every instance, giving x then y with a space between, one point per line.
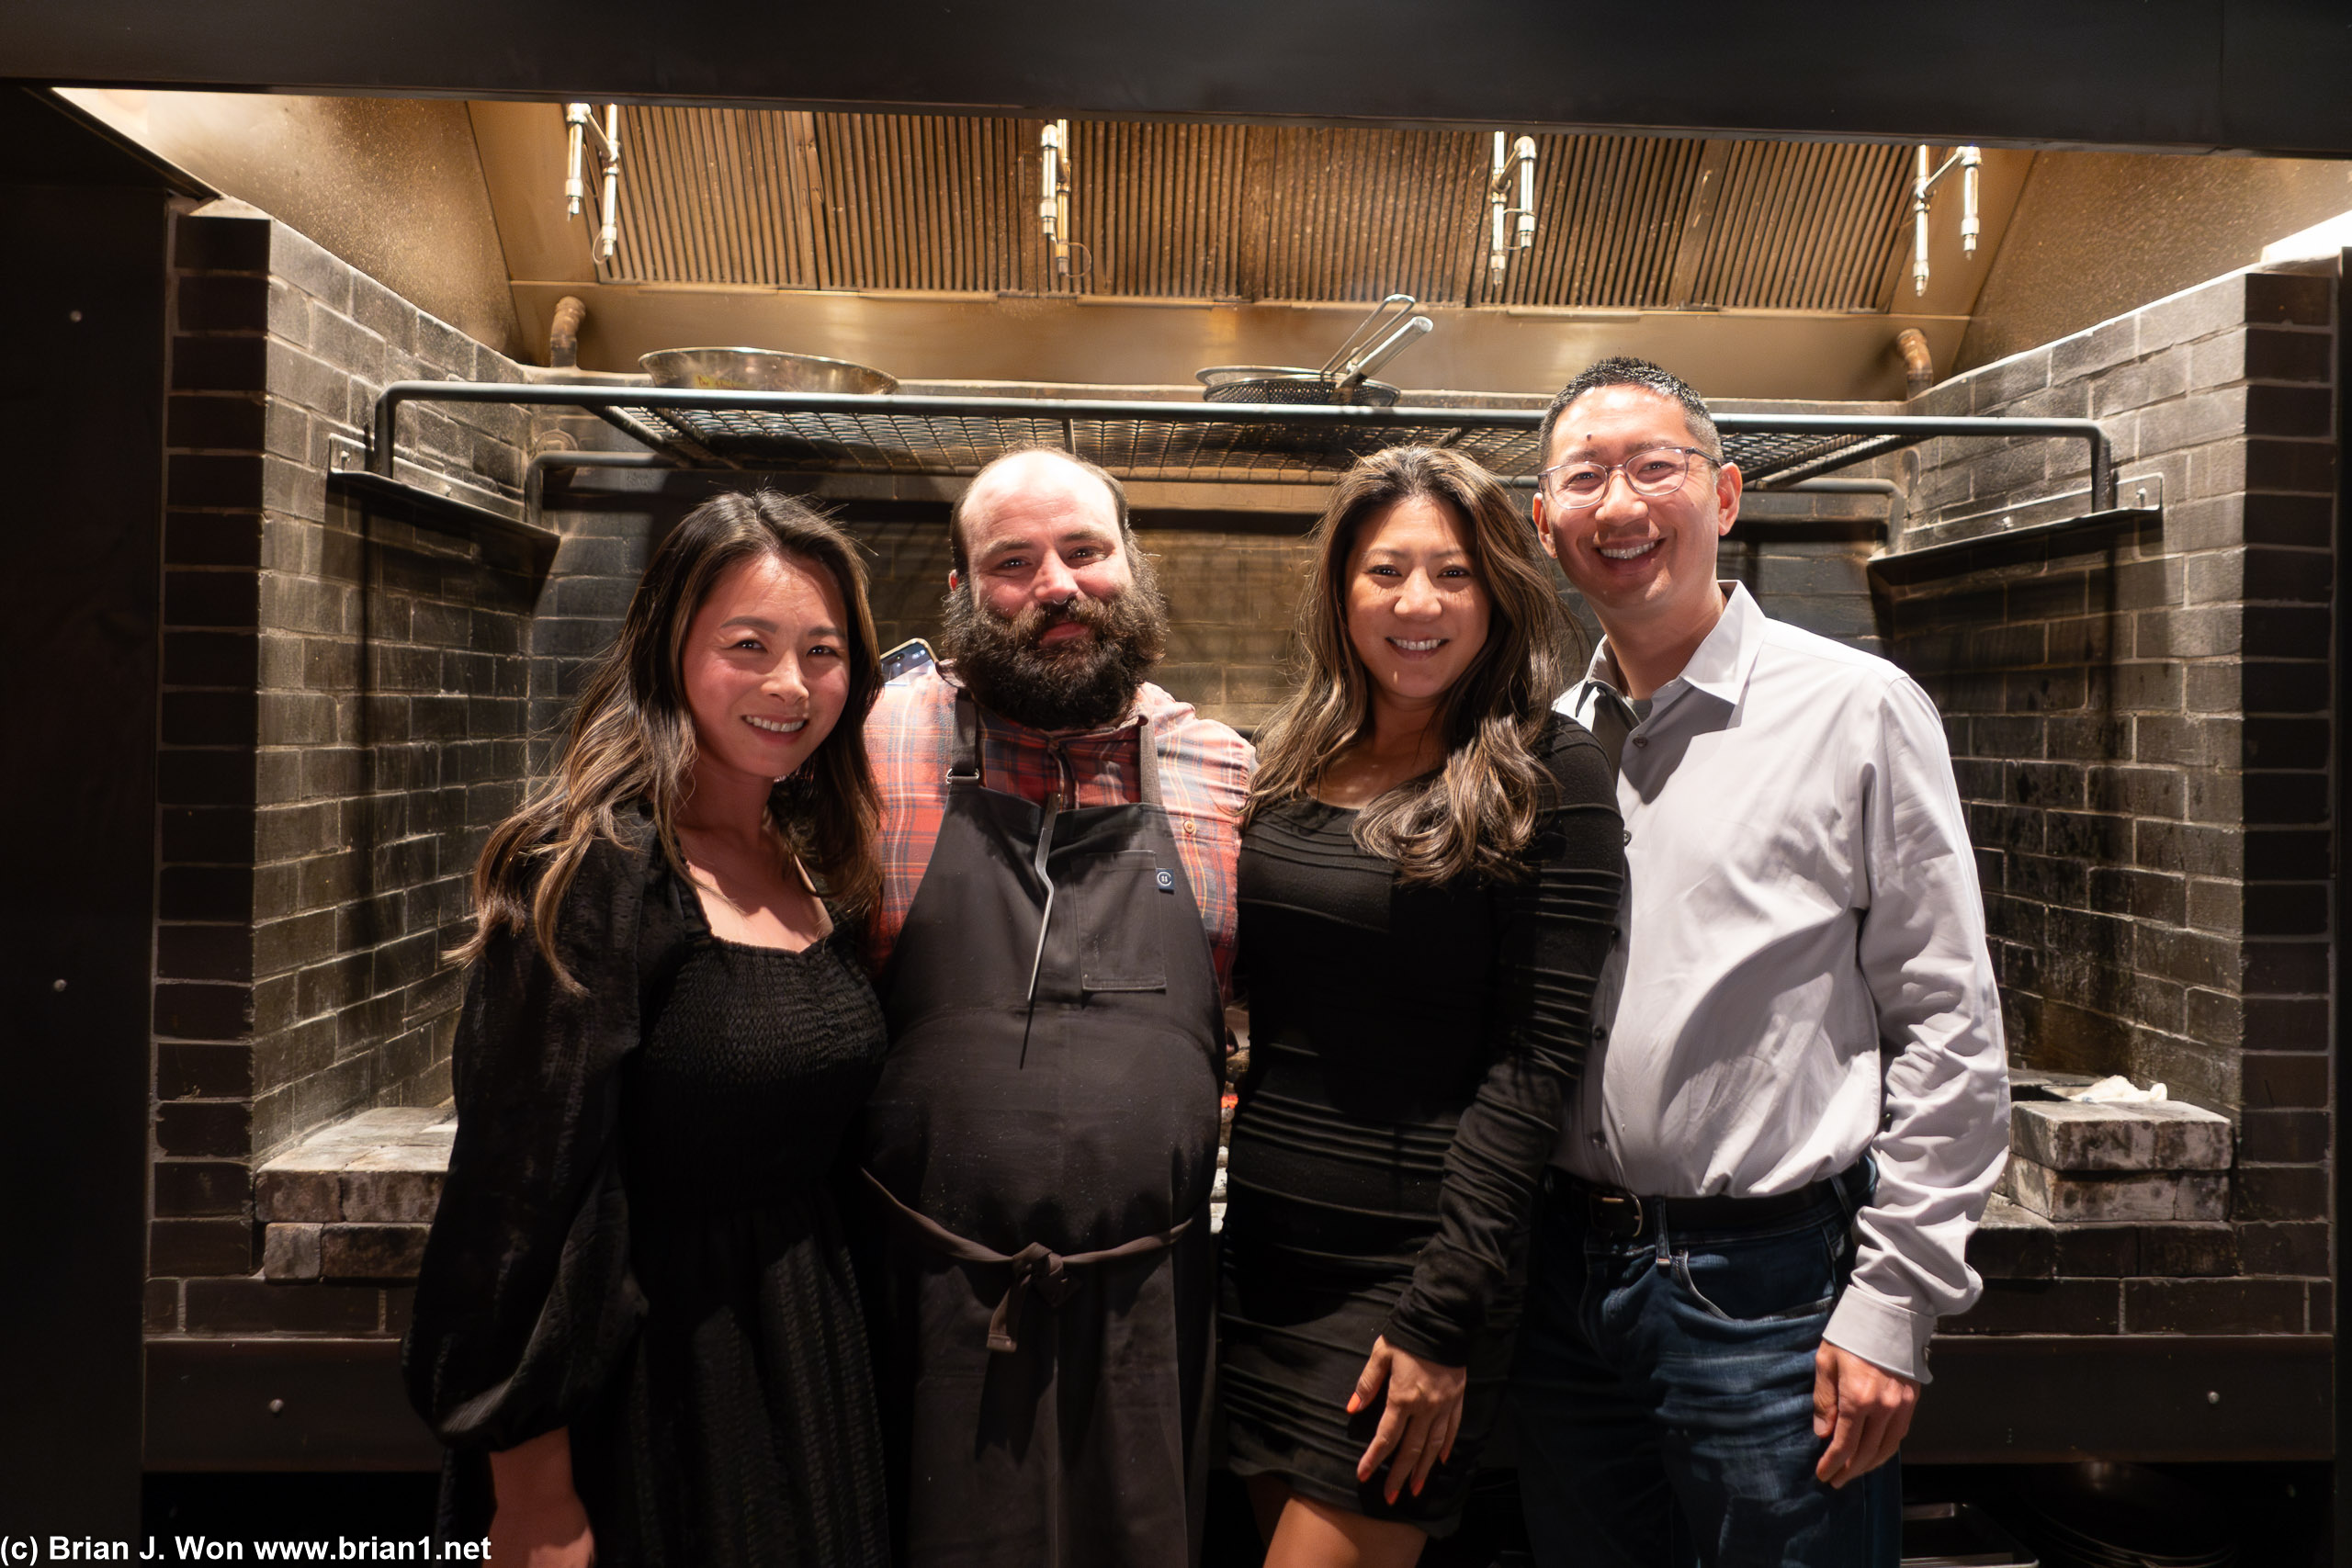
1212 442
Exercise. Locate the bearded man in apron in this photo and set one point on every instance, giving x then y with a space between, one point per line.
1054 941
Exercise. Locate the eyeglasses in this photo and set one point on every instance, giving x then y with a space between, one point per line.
1658 470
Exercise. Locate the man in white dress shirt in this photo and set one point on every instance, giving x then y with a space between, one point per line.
1796 1100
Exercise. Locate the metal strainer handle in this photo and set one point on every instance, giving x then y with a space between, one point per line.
1370 329
1355 371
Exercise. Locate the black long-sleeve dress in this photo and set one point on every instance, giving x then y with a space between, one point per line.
638 1239
1411 1046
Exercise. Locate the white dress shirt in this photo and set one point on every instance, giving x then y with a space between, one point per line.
1803 977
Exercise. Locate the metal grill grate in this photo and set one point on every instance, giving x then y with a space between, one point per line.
1167 446
1787 455
905 433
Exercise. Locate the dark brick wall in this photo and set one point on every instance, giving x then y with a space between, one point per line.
1231 592
1232 583
342 714
1806 559
2140 721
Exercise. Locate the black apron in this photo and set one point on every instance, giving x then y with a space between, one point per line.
1040 1151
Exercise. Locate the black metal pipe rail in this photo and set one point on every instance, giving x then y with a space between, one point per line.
1070 410
535 472
2090 431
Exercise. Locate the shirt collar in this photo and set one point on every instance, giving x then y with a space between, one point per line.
1720 664
1720 667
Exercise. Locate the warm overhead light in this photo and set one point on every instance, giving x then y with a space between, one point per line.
1504 237
1969 159
580 122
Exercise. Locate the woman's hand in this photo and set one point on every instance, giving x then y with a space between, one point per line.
1423 1415
538 1521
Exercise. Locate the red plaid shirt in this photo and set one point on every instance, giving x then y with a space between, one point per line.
1204 781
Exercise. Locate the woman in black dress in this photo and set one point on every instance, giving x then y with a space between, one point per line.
636 1326
1429 883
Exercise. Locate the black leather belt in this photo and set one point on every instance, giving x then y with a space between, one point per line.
1625 1216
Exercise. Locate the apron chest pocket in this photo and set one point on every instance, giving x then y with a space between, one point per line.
1120 906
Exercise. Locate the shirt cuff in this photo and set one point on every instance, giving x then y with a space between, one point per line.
1441 1350
1887 1335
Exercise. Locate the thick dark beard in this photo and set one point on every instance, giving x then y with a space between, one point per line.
1084 683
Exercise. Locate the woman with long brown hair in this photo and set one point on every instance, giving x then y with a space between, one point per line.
1429 883
635 1303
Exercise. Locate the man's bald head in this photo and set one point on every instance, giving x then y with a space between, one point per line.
1028 470
1052 617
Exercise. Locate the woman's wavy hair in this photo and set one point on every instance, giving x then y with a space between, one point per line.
1478 811
632 735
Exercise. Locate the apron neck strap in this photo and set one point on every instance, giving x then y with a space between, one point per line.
963 748
1148 760
964 740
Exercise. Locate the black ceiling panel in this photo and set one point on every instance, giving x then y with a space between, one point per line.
2256 75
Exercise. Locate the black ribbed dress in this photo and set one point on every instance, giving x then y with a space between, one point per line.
639 1239
1410 1049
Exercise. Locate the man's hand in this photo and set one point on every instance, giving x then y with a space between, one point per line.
1862 1409
1423 1415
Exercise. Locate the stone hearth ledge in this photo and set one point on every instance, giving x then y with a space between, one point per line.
2073 1163
2065 1134
353 1201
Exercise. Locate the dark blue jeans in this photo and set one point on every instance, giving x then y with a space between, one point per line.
1663 1390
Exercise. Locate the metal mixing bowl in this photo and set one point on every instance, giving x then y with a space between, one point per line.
761 370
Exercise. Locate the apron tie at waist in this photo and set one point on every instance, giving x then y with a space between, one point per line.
1034 1267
